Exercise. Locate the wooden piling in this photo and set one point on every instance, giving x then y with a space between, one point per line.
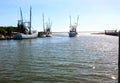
119 59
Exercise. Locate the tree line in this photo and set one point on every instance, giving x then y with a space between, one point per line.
7 30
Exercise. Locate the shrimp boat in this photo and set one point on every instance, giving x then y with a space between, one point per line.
24 29
48 29
73 31
42 34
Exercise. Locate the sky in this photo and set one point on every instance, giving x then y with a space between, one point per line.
94 15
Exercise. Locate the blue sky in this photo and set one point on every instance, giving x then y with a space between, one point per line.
94 15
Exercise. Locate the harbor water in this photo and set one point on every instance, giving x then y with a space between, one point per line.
88 58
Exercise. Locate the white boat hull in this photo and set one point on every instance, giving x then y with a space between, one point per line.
25 36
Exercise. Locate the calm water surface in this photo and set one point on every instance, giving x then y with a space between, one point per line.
60 59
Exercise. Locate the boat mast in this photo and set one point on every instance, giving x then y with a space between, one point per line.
77 20
43 23
20 22
21 15
30 20
70 21
50 23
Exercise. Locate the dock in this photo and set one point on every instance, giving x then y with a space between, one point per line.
111 32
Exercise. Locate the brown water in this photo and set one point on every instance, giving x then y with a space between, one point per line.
60 59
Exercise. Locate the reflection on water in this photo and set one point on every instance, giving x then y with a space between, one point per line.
84 59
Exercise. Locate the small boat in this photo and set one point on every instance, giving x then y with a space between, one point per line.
48 29
41 35
73 32
24 29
